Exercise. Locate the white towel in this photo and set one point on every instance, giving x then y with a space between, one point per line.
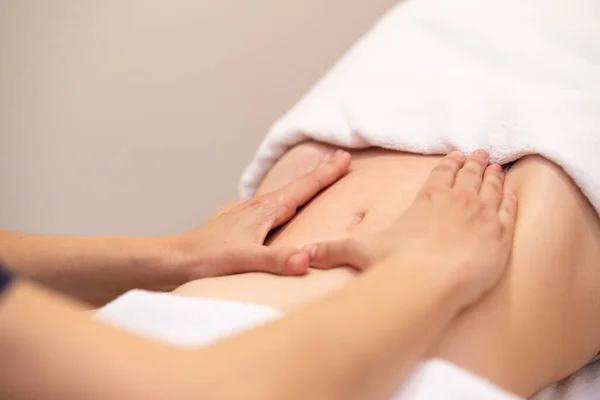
183 321
511 76
187 321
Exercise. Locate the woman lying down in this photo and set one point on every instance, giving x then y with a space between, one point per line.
448 271
536 326
431 77
430 263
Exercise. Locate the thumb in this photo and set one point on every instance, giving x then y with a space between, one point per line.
276 260
336 253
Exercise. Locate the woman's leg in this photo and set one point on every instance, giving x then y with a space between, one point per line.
540 323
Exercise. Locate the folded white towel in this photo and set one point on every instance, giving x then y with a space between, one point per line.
183 321
511 76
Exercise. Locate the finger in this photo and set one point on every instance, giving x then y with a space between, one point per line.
491 188
470 175
508 212
275 260
297 193
346 252
444 173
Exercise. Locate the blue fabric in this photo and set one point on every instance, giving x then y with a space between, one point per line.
5 279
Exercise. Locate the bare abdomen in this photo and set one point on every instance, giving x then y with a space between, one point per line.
379 187
538 325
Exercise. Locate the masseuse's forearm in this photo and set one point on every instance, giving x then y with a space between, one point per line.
93 269
358 344
51 350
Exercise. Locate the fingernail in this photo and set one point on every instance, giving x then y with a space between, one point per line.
509 192
294 259
311 250
482 154
325 159
297 263
496 167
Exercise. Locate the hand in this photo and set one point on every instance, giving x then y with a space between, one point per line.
460 221
232 242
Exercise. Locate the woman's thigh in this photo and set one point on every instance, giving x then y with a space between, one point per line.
540 323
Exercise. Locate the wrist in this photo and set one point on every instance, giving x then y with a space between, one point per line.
181 255
436 283
163 261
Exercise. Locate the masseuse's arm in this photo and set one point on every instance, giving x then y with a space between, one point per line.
356 345
97 269
359 343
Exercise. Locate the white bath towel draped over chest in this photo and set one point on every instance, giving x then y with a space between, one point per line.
513 77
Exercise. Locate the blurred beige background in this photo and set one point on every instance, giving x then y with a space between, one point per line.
138 116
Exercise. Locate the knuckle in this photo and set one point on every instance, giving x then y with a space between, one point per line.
495 184
456 157
287 209
432 192
510 203
451 164
488 215
269 202
268 205
471 168
499 230
511 208
491 222
282 205
466 197
254 202
494 175
494 230
446 167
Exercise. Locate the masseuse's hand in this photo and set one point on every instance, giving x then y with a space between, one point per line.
461 220
232 242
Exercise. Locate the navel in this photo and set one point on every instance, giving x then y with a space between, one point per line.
357 219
